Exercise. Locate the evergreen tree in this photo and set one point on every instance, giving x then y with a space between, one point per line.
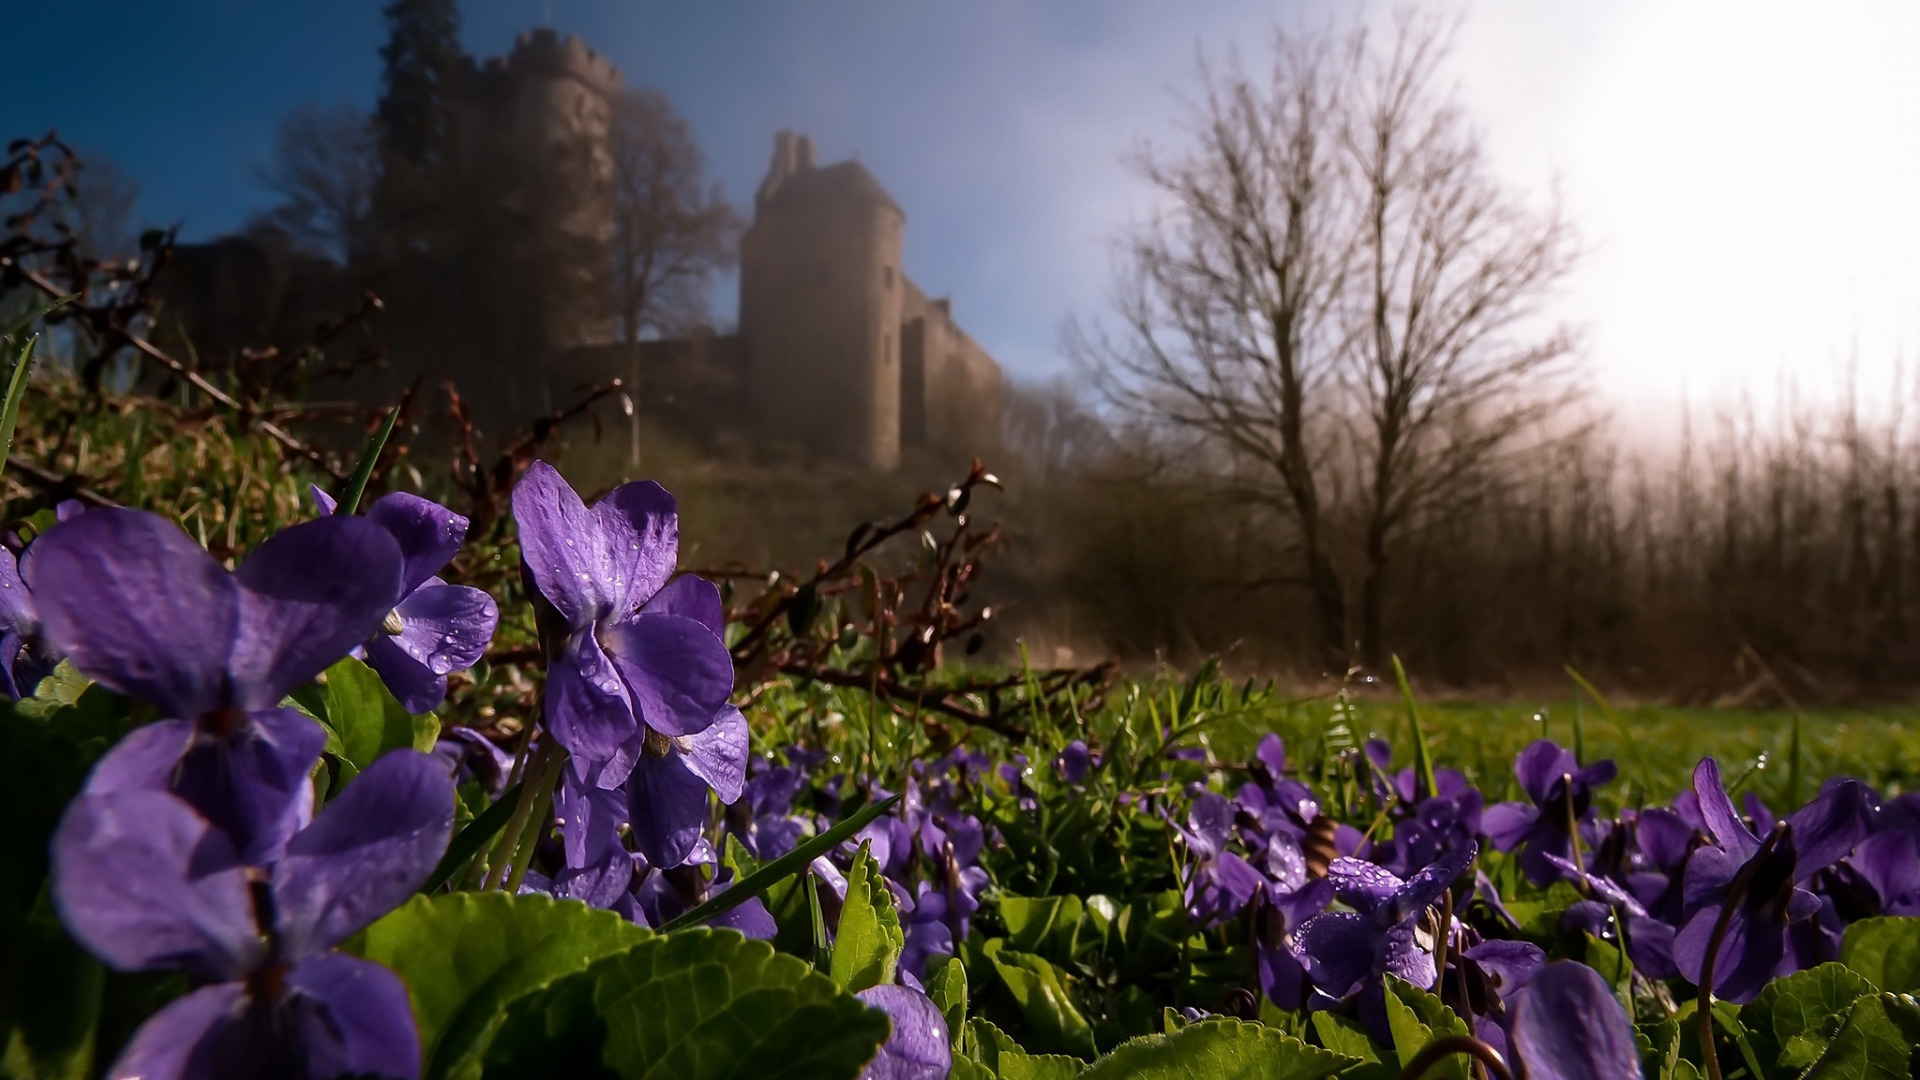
415 119
423 61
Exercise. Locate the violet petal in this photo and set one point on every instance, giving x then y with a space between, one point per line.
144 882
1568 1025
145 760
412 684
254 783
1337 948
351 1017
309 594
693 597
427 533
678 673
1827 828
175 611
1722 820
1540 766
598 562
917 1047
718 755
668 808
588 710
373 845
167 1045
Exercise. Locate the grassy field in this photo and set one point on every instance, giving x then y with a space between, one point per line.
1656 747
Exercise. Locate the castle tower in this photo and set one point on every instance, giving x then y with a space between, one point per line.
820 307
535 134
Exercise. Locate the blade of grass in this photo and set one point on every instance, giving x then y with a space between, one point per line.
472 838
822 944
16 389
357 485
1422 757
781 868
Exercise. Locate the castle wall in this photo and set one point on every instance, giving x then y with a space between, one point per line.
959 392
820 303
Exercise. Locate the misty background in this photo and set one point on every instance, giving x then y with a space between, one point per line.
1728 506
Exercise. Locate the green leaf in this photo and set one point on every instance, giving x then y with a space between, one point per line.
1346 1036
1416 1018
357 485
1886 951
984 1043
473 838
781 868
1218 1050
50 1005
61 689
968 1069
1040 1067
947 988
1875 1043
1041 923
867 944
1040 989
16 390
994 1053
466 956
363 713
695 1005
1792 1021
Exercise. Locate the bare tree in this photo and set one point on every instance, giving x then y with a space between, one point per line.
325 167
1338 302
104 208
1447 357
671 230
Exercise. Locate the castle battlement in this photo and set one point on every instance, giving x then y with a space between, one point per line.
545 53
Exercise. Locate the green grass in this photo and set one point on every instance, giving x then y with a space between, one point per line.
1655 747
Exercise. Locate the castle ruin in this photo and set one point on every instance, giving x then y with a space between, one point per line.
837 350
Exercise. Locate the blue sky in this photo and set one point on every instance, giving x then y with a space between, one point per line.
1739 168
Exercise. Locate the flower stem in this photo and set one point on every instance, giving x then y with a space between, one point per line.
1573 836
1736 892
517 824
1431 1054
543 801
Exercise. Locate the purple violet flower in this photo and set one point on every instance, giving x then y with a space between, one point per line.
927 931
1568 1025
25 656
918 1046
1771 873
216 652
638 674
1219 883
1385 933
1273 803
1075 762
146 882
1277 917
1561 793
436 628
763 818
473 758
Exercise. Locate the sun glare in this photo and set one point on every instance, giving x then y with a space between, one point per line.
1751 171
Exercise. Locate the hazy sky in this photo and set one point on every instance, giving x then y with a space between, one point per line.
1746 173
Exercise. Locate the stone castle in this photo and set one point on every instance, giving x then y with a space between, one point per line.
837 351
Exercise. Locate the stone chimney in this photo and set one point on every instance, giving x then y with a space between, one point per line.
806 153
788 149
